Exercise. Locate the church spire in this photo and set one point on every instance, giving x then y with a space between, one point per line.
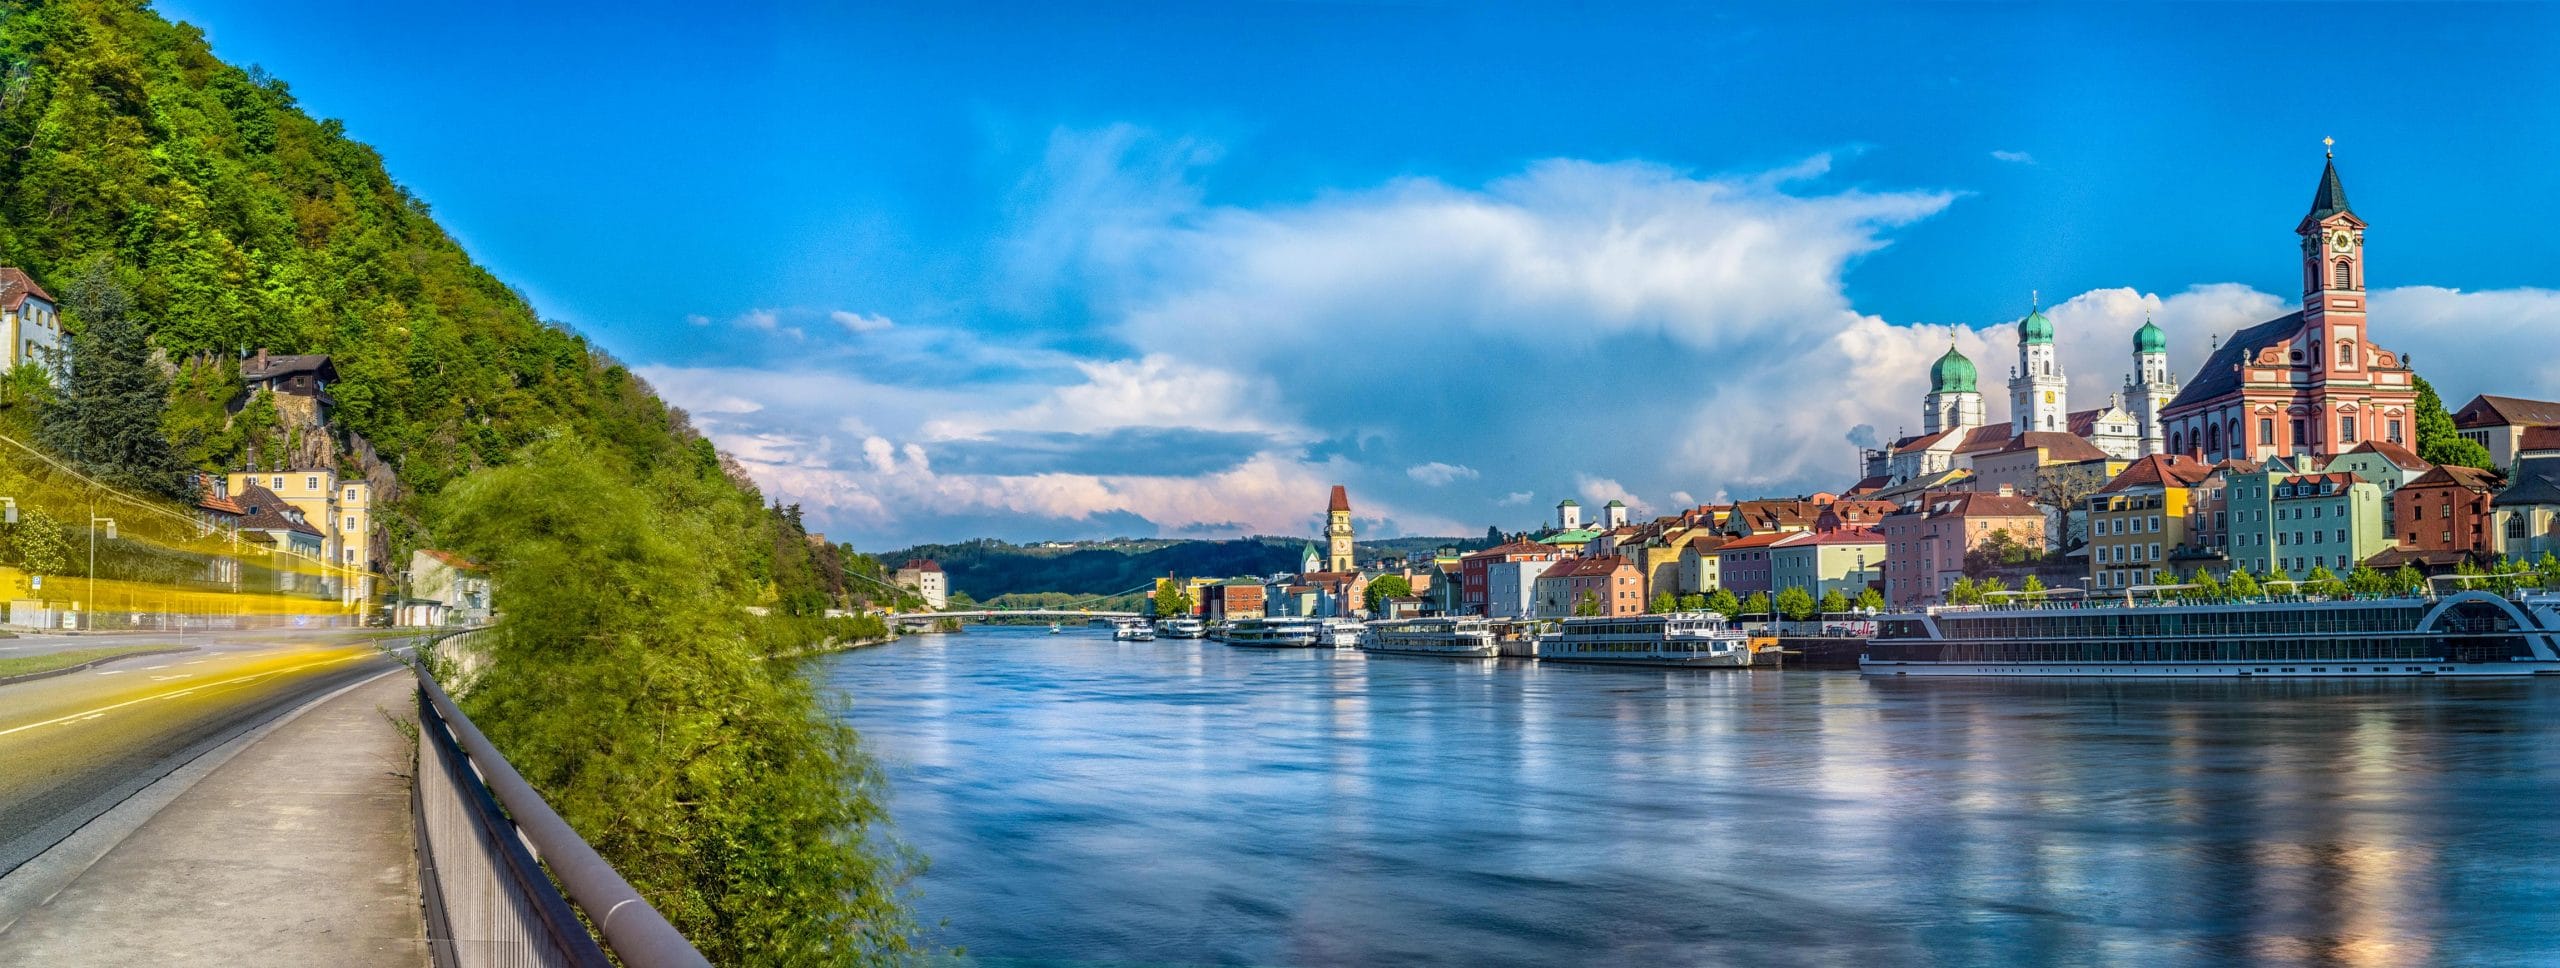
2331 197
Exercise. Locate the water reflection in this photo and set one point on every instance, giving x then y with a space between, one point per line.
1178 802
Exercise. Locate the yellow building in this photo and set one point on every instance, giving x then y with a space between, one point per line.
2139 521
341 509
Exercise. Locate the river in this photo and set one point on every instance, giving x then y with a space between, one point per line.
1183 802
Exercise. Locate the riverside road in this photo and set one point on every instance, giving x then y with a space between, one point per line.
73 746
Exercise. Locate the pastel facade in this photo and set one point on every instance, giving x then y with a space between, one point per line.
2500 423
31 322
1846 560
1926 542
2526 513
2443 519
1609 582
2139 521
1508 594
927 578
2281 520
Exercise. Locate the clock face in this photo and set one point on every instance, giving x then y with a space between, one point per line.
2341 242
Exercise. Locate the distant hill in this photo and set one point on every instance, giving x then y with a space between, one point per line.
986 568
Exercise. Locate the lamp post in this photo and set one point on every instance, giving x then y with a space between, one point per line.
89 608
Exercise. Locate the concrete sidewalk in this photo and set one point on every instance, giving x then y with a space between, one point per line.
299 851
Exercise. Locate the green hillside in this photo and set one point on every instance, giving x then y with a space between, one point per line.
188 212
987 568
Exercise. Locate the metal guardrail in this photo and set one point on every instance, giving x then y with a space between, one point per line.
485 839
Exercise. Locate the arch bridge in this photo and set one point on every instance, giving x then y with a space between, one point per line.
989 614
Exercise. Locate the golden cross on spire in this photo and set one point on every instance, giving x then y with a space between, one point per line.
2329 147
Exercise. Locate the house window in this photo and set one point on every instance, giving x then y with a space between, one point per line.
2267 431
351 494
2347 430
276 482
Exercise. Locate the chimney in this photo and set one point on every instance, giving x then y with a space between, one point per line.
262 357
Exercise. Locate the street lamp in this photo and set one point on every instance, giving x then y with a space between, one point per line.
89 620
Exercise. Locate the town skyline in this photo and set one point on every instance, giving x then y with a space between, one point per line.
1120 334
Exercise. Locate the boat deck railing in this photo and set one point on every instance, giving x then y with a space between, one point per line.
2430 595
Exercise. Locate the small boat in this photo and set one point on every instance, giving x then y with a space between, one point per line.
1055 630
1695 639
1276 633
1181 628
1132 631
1468 638
1342 633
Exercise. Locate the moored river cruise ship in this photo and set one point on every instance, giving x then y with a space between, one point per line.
1466 638
2471 633
1276 633
1181 628
1683 639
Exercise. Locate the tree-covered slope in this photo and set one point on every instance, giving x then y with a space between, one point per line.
238 222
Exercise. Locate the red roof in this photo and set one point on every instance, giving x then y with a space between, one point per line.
1762 540
1341 500
2056 446
219 504
16 286
1599 567
2159 470
2396 454
1519 547
2539 438
1987 504
921 564
2489 411
2456 475
1843 536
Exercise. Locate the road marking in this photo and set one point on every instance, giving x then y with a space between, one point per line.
103 710
113 672
163 665
181 675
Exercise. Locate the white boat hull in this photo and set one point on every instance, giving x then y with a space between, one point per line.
2207 670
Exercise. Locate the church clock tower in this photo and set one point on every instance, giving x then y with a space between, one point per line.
2333 304
2037 391
1337 532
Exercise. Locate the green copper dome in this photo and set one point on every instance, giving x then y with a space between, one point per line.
2035 328
2149 339
1951 374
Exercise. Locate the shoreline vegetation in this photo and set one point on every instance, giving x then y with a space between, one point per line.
193 213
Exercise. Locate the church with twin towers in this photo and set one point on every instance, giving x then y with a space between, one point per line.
2310 382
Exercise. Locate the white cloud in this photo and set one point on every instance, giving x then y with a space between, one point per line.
1602 490
854 322
1437 474
1514 499
2014 157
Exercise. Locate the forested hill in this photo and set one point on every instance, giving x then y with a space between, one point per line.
235 221
984 569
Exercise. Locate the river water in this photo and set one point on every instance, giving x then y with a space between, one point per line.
1184 802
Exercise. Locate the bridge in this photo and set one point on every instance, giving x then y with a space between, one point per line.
987 614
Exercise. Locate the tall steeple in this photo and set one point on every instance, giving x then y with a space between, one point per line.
1955 401
2332 338
2151 387
1337 532
2038 393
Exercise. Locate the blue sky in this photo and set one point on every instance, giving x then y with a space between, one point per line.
1068 270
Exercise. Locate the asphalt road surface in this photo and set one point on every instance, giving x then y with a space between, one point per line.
73 746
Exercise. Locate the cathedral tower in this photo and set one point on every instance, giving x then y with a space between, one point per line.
1337 532
2038 395
2151 387
1955 399
2333 333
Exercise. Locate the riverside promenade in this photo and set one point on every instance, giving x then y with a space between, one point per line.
297 849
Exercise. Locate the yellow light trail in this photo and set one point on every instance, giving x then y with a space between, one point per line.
262 665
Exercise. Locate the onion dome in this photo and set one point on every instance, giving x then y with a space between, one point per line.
2035 328
1951 374
2149 339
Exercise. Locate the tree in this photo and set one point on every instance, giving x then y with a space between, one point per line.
2205 588
1382 588
2366 581
2066 489
1834 603
1588 605
2408 580
1871 600
1991 586
1492 536
1172 598
109 419
2549 569
2324 583
39 545
1663 603
2466 569
1964 592
1693 602
2242 584
2034 586
1795 603
2439 442
1997 549
1723 603
1757 604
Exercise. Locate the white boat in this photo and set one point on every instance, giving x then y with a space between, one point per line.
1699 639
2464 634
1132 631
1276 633
1055 630
1181 628
1342 633
1470 638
